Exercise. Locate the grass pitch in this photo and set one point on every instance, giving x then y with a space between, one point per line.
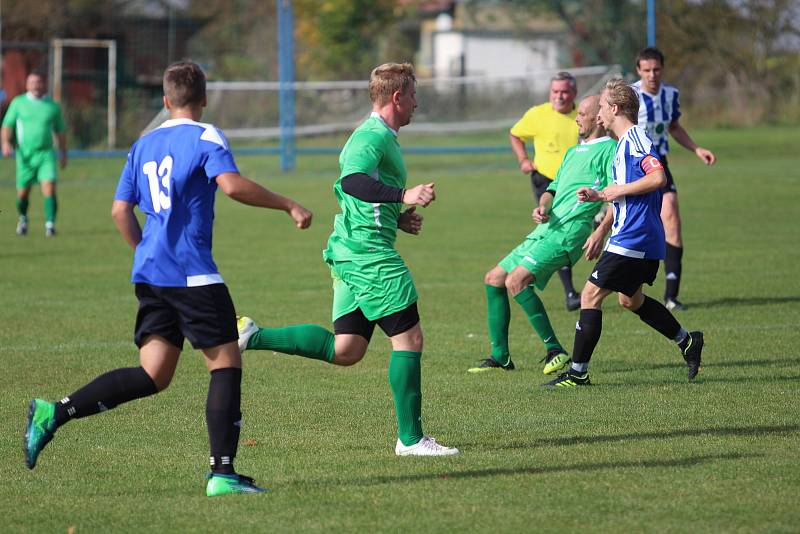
642 450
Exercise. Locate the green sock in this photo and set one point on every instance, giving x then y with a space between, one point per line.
498 318
307 340
405 380
50 208
22 206
534 309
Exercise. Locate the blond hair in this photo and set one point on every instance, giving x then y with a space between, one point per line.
387 79
620 94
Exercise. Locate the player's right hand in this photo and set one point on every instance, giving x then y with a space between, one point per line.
7 150
421 195
587 194
302 217
526 166
540 215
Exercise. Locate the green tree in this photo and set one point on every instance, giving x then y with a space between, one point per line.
340 39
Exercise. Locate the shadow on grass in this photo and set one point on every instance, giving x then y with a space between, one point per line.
702 378
749 301
538 470
792 361
641 436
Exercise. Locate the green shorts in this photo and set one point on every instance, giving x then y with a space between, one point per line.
39 166
543 255
379 287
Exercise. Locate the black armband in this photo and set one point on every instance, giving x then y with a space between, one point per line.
366 188
552 192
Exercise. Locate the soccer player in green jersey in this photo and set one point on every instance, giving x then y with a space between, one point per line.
564 225
371 283
35 118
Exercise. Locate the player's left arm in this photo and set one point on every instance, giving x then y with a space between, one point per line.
541 213
60 131
126 221
61 141
410 221
680 134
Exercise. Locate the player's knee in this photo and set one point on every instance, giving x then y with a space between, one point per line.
161 381
495 278
514 284
627 303
409 340
347 359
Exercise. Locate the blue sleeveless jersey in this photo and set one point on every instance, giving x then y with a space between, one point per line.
170 174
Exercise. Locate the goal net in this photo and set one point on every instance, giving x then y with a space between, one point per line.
248 110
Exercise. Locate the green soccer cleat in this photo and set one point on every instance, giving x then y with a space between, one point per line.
490 364
569 379
230 484
555 360
40 429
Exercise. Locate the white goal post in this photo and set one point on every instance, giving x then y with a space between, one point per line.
57 50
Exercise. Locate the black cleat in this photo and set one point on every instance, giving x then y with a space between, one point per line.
490 364
569 379
691 353
573 301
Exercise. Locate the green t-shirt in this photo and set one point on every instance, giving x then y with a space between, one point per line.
366 230
585 165
35 120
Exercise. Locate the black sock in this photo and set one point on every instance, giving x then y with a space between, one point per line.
224 417
565 274
657 316
672 270
104 393
587 334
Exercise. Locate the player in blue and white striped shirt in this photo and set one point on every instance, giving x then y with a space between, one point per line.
659 114
636 245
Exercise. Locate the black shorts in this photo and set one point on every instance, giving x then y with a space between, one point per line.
670 185
356 322
623 274
204 314
539 184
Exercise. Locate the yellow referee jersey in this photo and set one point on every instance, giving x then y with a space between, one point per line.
552 134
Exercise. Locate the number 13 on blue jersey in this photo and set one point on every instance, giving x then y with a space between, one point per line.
161 200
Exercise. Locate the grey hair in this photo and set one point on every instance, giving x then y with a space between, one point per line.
564 75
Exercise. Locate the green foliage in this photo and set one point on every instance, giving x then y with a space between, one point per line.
641 451
601 32
338 39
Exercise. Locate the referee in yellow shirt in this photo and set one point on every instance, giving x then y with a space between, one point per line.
552 129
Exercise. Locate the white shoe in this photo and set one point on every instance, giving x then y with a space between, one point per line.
427 446
247 327
22 225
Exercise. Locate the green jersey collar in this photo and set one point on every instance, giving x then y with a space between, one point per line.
377 115
598 140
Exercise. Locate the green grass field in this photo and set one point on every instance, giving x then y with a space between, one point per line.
642 450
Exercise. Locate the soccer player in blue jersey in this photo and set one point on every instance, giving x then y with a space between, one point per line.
172 175
636 245
659 116
564 225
